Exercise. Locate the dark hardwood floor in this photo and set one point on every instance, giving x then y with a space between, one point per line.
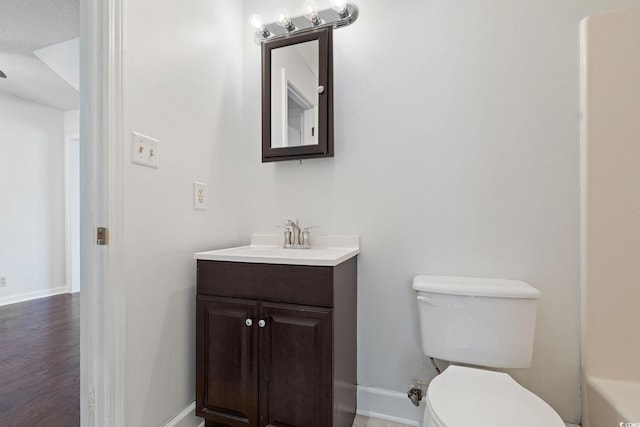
40 362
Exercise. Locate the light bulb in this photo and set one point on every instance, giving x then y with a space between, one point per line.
255 20
311 11
284 21
340 6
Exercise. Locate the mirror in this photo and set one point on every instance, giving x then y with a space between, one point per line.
294 95
297 97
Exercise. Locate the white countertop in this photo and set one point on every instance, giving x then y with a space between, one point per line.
268 249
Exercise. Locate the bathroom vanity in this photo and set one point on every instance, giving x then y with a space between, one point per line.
276 335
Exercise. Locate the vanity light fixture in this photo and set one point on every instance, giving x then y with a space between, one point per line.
340 6
284 21
339 15
255 21
311 12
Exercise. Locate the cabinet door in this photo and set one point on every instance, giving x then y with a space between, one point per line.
226 361
295 366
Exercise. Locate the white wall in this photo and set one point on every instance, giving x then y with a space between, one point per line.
32 221
64 59
72 123
182 86
456 152
72 200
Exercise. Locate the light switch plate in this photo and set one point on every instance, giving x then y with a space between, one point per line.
199 195
145 151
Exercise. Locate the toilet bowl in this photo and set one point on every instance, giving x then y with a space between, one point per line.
462 396
487 323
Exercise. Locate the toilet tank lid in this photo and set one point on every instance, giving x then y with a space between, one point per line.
475 286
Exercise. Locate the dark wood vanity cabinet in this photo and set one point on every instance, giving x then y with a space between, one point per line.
276 344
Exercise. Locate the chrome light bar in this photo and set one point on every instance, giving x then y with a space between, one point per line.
341 15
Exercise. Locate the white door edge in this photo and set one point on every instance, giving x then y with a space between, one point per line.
102 336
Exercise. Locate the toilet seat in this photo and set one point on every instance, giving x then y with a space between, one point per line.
462 397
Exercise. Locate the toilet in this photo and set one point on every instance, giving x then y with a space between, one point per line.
486 323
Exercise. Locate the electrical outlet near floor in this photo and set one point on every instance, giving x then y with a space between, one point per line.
3 280
145 151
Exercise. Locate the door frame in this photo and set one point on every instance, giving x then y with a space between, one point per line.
71 180
102 312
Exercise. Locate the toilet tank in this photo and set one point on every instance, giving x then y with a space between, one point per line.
477 321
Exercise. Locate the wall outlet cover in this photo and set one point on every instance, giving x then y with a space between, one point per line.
199 195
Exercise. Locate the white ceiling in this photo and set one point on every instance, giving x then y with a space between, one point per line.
29 25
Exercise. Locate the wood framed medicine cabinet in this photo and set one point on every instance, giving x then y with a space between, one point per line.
297 96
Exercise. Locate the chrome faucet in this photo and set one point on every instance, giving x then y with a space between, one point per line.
294 237
295 231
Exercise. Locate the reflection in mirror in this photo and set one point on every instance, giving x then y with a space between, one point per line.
301 118
294 94
297 97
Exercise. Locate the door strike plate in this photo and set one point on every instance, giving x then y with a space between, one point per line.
102 236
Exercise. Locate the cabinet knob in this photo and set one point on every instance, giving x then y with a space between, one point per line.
261 323
248 322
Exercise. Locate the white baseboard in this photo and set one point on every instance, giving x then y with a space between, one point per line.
28 296
373 402
392 406
186 418
389 405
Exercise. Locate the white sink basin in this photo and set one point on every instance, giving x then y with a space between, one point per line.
267 249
